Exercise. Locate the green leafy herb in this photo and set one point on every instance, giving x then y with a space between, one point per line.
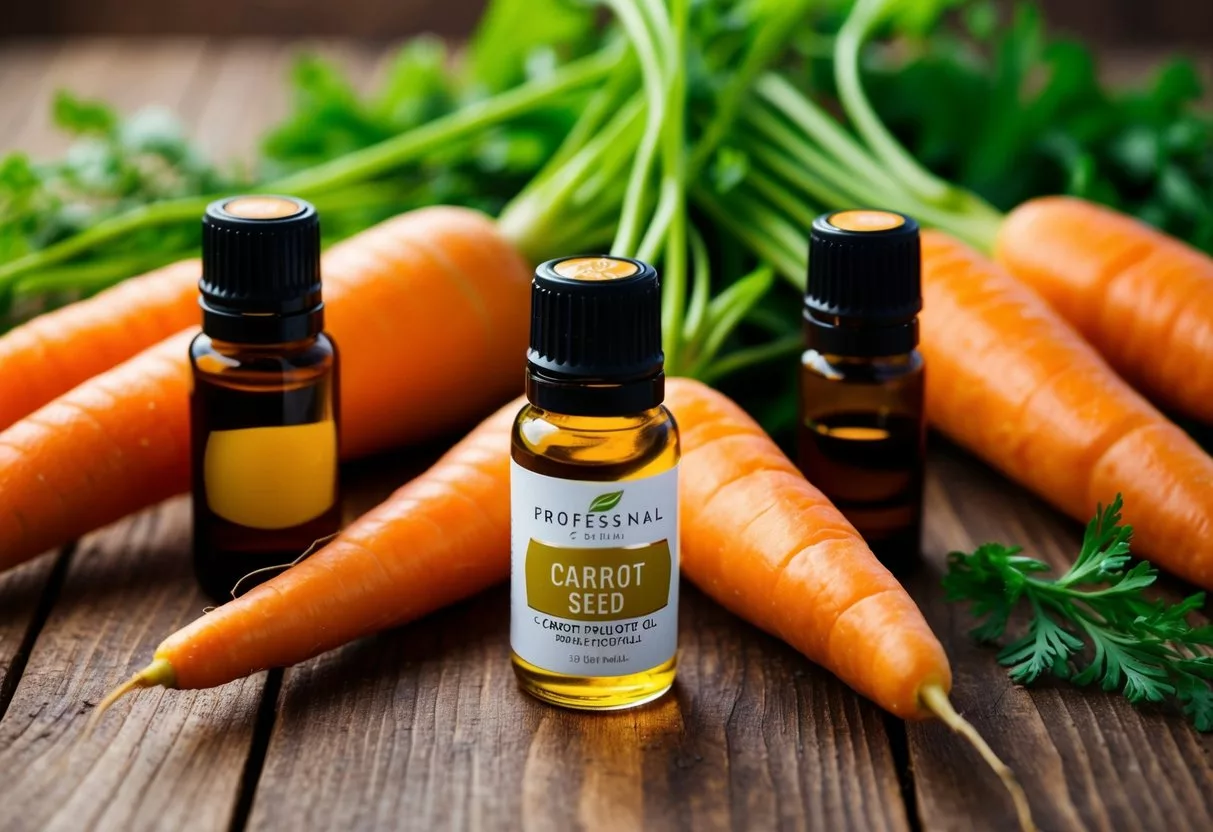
1012 113
1093 624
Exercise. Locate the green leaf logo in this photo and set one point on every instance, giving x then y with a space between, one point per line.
606 502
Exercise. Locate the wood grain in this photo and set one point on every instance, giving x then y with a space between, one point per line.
423 728
158 760
1087 758
24 603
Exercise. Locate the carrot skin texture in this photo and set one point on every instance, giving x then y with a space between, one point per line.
1010 380
82 461
1143 298
52 353
429 314
770 547
440 538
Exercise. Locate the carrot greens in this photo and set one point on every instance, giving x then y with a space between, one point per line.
1093 624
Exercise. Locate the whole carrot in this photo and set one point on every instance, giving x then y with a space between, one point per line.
756 537
767 545
428 307
1143 298
51 354
1013 382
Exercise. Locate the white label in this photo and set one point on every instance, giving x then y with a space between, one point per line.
594 572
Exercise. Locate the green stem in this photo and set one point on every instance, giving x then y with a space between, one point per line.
653 73
774 224
391 153
532 218
599 111
701 291
798 211
836 184
87 278
789 262
766 45
672 203
862 18
147 216
796 161
748 357
965 213
824 130
363 164
728 309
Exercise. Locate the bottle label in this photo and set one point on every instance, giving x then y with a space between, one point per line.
271 477
594 572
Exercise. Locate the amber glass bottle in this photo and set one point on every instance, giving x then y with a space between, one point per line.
862 432
264 403
594 492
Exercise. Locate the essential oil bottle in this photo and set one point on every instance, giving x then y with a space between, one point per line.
594 492
264 402
862 435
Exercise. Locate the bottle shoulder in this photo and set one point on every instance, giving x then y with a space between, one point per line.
874 370
209 355
595 447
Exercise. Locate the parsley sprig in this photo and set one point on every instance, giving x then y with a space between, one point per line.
1094 623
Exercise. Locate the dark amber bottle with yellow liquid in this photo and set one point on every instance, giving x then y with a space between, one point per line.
862 433
264 402
594 492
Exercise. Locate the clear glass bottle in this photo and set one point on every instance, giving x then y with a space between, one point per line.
594 610
862 432
264 407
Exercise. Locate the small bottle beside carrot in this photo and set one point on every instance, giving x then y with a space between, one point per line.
263 410
862 432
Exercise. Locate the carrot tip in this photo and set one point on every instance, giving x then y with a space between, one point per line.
935 699
157 674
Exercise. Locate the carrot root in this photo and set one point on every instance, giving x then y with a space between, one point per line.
935 699
159 673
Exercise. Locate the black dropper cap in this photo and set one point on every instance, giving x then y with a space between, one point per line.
261 270
595 337
864 289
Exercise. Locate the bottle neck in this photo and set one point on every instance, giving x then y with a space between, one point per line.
235 327
593 397
859 338
244 348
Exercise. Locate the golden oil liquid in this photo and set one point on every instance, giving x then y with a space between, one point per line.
602 449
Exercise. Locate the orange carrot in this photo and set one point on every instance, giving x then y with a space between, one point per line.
1143 298
772 548
110 446
429 313
756 536
442 537
52 353
1013 382
767 545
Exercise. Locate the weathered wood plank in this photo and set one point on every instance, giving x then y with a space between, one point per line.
251 89
424 728
1087 759
127 74
161 759
23 601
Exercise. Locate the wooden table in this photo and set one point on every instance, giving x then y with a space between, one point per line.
422 727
